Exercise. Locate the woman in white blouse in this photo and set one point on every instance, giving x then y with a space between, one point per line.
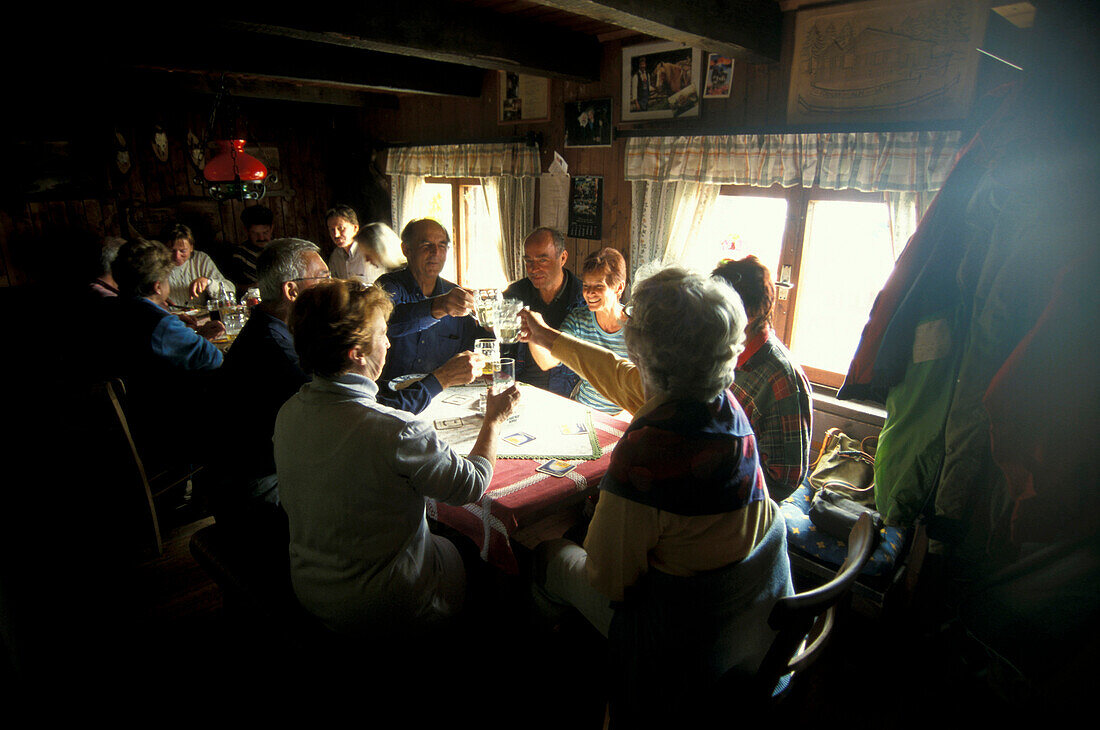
355 476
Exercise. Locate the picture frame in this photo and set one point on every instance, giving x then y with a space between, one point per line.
719 76
588 123
523 98
586 207
661 81
881 61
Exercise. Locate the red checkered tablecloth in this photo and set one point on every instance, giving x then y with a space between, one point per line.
518 496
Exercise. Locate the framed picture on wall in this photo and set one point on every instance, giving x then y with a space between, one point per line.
523 98
588 123
586 207
881 61
661 81
719 76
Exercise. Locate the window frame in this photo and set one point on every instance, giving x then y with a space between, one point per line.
794 238
458 224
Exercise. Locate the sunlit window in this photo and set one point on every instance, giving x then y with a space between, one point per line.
846 258
834 249
474 259
435 200
741 225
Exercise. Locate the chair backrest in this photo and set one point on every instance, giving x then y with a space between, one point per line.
805 620
113 460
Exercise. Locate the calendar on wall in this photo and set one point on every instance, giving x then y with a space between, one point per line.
586 207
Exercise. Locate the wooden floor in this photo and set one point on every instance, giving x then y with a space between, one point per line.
182 654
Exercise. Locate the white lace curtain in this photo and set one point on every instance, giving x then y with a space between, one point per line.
676 180
507 171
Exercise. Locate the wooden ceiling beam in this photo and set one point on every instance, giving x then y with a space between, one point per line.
748 30
293 61
438 31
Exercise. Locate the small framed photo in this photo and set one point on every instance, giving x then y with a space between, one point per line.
586 207
661 81
588 123
719 77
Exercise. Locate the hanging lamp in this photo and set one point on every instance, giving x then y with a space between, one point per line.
232 173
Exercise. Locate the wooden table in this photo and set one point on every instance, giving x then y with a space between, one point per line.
518 495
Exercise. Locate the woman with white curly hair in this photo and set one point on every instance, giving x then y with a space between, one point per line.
686 553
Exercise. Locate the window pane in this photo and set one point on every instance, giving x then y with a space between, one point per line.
738 226
846 258
481 264
434 201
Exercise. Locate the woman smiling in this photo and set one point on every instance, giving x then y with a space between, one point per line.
601 322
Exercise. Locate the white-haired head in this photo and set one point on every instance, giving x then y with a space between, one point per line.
685 332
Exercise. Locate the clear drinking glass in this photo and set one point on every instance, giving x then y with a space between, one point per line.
234 318
504 375
486 302
490 353
508 321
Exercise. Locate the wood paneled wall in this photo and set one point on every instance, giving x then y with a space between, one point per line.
757 98
39 233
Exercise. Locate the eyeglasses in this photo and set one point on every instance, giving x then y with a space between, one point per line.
311 278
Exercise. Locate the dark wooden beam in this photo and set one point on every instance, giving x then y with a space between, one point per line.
245 86
745 29
438 31
291 61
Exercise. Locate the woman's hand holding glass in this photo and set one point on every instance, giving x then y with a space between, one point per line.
539 336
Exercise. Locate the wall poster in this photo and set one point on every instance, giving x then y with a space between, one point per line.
884 61
586 207
523 98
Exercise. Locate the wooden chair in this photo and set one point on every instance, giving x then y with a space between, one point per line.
116 451
804 622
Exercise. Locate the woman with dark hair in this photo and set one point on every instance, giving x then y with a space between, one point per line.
355 475
770 385
603 275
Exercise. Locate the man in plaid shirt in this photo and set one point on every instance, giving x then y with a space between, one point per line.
770 386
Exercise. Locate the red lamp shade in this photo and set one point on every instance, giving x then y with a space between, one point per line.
231 163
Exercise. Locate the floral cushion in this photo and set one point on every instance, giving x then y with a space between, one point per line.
804 536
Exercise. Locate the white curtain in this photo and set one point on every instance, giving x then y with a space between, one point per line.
665 218
507 171
403 192
511 202
906 210
909 162
676 180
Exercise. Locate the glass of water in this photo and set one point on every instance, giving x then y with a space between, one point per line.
508 321
234 318
504 375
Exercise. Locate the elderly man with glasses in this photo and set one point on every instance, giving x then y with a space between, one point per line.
261 372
